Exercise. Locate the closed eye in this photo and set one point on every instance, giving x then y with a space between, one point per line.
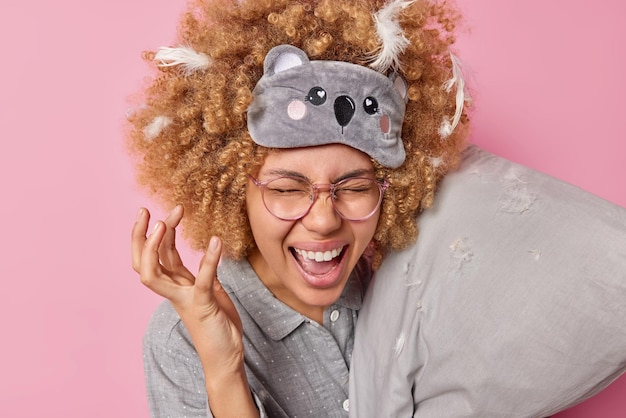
356 186
285 191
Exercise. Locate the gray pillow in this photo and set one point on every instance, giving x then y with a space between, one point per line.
512 302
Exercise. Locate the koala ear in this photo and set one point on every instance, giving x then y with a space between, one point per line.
283 57
400 84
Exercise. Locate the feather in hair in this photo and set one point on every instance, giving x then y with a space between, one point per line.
448 126
391 36
156 126
189 60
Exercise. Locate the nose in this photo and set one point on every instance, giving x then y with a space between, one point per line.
322 217
344 110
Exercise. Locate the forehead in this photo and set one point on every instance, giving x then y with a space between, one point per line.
319 163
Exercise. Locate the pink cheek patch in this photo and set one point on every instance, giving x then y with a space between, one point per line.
385 124
296 110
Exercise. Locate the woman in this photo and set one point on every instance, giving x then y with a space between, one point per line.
301 138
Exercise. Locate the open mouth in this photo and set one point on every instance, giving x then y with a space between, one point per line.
318 263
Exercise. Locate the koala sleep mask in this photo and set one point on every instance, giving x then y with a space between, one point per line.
300 103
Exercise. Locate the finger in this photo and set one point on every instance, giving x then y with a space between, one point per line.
152 274
150 263
209 291
167 251
138 237
226 304
208 271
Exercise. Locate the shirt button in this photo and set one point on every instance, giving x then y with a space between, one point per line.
334 315
346 405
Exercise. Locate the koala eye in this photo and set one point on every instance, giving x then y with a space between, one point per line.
370 105
316 96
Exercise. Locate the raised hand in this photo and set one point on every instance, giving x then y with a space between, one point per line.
204 307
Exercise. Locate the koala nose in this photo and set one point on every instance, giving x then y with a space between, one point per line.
344 110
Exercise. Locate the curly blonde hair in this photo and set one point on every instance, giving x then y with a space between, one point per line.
190 136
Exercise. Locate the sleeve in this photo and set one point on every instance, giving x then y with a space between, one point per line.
174 384
174 377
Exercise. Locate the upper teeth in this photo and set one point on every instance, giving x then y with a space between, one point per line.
319 255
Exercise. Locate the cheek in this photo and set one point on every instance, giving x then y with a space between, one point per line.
371 230
265 227
364 232
296 110
385 124
256 211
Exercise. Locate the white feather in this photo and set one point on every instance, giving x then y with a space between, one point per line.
154 128
189 60
445 129
436 162
399 344
391 36
448 126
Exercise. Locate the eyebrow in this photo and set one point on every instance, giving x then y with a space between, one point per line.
288 173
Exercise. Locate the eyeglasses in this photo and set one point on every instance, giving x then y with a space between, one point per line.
291 198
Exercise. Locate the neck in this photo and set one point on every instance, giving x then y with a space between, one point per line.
281 292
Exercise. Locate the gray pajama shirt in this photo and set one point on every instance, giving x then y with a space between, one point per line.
295 366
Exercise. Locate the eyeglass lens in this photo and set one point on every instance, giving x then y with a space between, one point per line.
291 198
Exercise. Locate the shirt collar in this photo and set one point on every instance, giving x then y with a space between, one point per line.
276 319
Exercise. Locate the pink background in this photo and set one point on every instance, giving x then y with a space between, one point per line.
549 77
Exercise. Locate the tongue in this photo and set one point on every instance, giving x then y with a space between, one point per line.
315 267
